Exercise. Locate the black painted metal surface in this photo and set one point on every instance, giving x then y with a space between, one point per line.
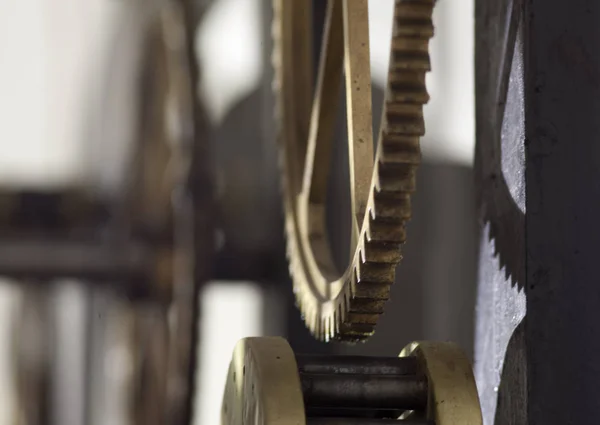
364 421
357 365
562 129
360 388
541 368
364 391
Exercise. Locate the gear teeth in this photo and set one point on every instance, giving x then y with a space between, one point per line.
407 87
396 178
363 318
498 250
410 46
375 272
372 291
413 61
413 9
355 332
414 27
351 314
405 119
367 306
346 301
338 321
400 150
388 252
318 326
312 321
329 330
414 18
386 232
390 206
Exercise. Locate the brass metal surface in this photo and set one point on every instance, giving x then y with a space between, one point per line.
263 387
453 397
347 305
267 384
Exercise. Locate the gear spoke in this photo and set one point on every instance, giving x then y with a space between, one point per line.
358 100
296 55
325 105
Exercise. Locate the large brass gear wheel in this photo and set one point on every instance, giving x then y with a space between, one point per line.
429 384
347 305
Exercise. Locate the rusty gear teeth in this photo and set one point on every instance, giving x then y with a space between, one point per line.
351 313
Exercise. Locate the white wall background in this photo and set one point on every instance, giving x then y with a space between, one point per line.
235 67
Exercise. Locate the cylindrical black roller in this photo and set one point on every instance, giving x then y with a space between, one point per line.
348 412
364 421
364 391
357 365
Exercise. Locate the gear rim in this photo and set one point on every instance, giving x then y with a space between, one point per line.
348 308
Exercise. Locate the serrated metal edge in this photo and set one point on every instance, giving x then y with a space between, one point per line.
360 303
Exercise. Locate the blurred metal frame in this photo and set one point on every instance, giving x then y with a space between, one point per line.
143 246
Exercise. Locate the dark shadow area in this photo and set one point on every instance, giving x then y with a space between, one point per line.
512 392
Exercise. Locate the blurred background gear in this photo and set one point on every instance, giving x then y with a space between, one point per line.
133 247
